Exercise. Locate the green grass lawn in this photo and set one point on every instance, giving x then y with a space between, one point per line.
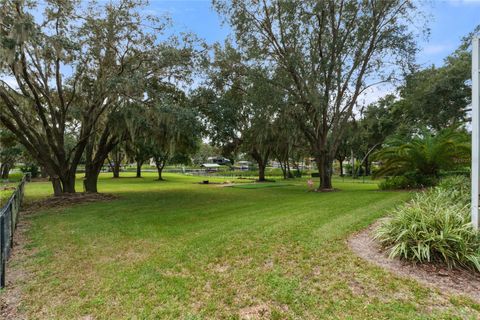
181 250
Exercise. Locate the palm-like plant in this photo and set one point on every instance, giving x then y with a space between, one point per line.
425 154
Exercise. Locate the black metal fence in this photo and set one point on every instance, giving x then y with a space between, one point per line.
8 223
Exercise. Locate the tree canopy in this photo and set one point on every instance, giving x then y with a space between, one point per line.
73 67
328 53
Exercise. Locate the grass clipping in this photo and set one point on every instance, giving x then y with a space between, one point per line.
434 227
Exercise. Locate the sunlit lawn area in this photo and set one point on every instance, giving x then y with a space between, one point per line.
181 250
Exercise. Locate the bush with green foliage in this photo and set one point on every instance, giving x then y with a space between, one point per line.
30 167
393 183
410 180
434 227
424 157
459 188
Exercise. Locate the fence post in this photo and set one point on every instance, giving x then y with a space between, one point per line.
13 217
2 251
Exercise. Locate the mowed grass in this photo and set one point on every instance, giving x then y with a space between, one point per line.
181 250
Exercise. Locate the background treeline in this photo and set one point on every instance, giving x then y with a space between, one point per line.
88 84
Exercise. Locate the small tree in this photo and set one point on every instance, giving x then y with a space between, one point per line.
424 155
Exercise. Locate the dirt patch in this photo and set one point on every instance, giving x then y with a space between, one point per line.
10 298
325 190
458 282
64 201
207 182
260 311
227 185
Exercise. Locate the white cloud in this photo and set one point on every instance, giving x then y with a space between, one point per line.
460 3
374 93
437 48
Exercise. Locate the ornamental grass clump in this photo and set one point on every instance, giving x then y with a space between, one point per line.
434 227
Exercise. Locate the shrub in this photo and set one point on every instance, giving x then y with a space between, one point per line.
459 188
32 168
408 181
434 227
424 157
392 183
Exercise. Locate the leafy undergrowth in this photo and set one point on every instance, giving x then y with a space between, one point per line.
435 227
180 250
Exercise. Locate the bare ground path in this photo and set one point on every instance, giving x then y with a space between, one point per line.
457 282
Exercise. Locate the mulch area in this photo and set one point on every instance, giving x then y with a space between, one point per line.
458 282
65 201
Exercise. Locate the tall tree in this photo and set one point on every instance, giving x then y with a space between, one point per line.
439 97
329 53
72 66
377 122
100 144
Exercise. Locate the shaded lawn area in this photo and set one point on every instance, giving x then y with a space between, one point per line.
180 250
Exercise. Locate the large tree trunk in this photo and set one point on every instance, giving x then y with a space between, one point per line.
324 165
91 180
367 166
116 169
56 185
296 165
160 164
340 165
261 171
114 166
160 170
283 166
289 172
116 161
68 183
95 160
92 171
262 163
139 169
5 170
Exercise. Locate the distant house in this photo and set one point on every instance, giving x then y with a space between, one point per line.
218 160
210 167
243 165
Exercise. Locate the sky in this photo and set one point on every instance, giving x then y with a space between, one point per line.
448 20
